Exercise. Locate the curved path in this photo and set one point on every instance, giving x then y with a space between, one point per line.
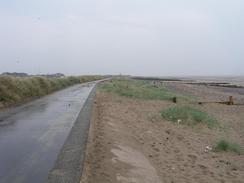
32 135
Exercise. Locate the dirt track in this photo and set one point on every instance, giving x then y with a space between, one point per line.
129 142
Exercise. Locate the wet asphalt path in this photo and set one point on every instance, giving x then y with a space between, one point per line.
32 135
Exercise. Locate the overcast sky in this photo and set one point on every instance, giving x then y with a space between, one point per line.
137 37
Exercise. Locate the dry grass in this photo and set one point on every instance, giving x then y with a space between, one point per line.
18 89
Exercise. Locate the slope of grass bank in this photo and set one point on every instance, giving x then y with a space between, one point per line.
18 89
137 89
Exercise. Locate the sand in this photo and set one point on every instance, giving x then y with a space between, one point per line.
129 142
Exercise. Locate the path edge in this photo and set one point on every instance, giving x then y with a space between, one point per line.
70 161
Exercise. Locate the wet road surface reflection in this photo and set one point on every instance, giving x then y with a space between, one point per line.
32 135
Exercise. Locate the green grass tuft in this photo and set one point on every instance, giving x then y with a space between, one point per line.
188 115
224 145
137 89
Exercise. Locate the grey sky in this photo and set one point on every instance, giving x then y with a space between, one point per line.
138 37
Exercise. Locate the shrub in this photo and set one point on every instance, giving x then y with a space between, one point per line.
188 115
224 145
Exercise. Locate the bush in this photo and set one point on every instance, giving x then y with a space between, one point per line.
224 145
188 115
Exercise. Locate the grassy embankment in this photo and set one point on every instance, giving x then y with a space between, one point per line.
137 89
18 89
187 114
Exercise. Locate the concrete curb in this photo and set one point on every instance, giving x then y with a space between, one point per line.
69 164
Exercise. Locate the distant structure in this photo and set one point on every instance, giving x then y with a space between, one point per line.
57 75
17 74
